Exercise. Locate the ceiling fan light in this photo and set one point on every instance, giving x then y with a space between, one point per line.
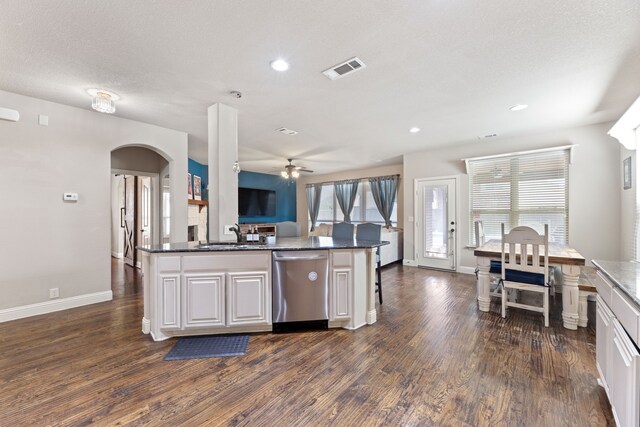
295 173
284 174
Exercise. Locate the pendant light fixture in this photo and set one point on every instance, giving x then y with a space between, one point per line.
236 167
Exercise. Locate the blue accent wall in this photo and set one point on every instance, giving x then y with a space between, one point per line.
202 171
285 195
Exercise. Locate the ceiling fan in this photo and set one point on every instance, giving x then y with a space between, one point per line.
292 171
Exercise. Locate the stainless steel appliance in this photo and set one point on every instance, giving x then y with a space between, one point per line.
300 290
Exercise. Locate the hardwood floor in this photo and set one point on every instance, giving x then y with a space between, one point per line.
432 359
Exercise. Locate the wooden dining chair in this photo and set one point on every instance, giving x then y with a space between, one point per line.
372 232
525 267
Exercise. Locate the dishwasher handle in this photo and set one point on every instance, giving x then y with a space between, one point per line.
285 258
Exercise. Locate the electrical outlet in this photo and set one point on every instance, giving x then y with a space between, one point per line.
228 229
54 293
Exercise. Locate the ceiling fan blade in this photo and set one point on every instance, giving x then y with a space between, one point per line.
303 169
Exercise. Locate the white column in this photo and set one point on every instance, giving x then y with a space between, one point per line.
223 182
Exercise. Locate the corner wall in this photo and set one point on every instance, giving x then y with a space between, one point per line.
594 194
49 243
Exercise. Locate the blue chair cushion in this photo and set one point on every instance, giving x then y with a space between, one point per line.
524 277
517 276
496 267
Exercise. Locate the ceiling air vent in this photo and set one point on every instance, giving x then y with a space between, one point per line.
287 131
341 70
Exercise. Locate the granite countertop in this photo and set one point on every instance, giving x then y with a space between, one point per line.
282 244
624 275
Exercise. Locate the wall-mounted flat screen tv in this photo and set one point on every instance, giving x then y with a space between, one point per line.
256 202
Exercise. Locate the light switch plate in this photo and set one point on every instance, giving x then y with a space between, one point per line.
70 197
43 120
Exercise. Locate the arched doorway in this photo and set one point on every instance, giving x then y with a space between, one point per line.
140 205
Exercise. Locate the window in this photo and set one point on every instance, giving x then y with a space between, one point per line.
529 189
364 208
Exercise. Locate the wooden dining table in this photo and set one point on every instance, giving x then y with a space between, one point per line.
568 259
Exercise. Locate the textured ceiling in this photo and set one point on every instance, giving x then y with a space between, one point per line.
450 67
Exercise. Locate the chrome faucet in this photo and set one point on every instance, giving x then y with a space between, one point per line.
236 230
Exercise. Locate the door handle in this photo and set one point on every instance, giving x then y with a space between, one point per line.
121 217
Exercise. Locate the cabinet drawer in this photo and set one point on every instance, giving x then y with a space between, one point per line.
604 287
627 314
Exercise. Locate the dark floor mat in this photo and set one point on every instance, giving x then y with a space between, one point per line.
208 346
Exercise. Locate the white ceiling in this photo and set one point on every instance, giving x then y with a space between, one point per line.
450 67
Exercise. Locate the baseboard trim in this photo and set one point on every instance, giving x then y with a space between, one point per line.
410 262
466 270
118 255
37 309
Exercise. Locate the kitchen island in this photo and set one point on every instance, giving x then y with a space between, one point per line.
225 287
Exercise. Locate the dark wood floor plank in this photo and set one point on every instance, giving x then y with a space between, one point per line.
432 359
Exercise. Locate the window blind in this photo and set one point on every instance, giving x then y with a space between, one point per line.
529 189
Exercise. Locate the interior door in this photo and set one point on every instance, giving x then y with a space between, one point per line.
436 223
130 190
143 214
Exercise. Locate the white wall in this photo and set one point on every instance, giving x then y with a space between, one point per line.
46 242
594 187
628 205
302 211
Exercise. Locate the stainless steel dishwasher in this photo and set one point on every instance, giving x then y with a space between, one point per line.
300 290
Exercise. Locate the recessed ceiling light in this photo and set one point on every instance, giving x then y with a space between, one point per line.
518 107
286 131
414 130
280 65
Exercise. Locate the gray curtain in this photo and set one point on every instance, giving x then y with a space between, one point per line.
346 193
313 202
384 190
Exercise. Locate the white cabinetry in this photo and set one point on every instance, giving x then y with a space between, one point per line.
624 378
341 289
169 299
248 301
212 294
203 300
617 356
604 317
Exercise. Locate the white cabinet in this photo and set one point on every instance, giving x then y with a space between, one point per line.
169 301
341 293
211 293
604 318
624 392
617 356
203 300
341 286
248 298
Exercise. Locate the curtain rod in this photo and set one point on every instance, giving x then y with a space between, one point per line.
352 179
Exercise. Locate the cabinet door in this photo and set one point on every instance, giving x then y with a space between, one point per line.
169 301
248 298
603 342
203 300
341 291
624 379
